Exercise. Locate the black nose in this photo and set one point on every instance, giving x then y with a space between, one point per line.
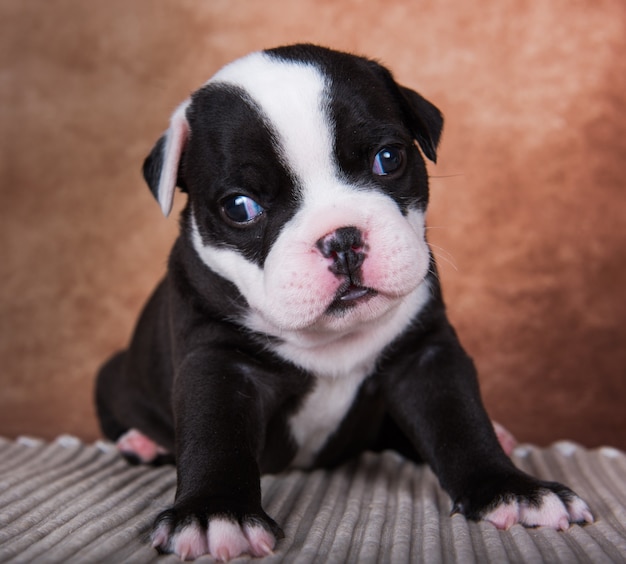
345 247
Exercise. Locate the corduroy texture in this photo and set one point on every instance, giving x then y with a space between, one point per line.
69 502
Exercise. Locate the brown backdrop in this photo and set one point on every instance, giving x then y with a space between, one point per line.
527 209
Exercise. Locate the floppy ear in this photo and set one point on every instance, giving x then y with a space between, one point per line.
425 120
160 169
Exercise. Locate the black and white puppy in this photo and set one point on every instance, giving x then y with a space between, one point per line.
301 319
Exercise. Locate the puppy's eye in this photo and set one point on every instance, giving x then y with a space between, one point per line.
388 160
241 209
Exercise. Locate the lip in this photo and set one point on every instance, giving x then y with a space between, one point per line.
353 293
349 296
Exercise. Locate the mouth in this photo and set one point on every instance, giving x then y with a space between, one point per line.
348 296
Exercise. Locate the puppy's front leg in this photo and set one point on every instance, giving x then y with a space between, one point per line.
217 509
435 400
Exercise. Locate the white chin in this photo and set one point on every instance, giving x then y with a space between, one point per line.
328 319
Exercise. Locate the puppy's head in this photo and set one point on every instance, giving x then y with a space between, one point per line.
306 186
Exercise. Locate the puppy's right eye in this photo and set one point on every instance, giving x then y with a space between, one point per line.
241 209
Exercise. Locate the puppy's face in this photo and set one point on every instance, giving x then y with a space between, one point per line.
306 188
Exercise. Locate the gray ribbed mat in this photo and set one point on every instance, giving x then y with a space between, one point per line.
70 502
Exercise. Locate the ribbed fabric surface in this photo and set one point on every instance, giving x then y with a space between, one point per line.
70 502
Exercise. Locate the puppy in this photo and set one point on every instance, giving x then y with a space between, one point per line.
301 319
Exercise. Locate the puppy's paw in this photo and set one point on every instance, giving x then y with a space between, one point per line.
224 538
139 449
525 500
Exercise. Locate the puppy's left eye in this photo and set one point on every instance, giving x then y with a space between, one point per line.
388 160
241 209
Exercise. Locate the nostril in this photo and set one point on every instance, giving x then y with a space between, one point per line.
325 246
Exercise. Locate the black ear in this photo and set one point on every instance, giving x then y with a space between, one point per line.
160 169
153 165
425 120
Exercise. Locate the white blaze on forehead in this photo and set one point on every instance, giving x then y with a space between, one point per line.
291 94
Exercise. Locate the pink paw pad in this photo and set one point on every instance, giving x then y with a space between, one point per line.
137 444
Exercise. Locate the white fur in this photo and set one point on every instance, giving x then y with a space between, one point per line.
261 541
226 540
223 539
190 542
551 512
321 414
579 511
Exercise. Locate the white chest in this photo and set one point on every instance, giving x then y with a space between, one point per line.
320 416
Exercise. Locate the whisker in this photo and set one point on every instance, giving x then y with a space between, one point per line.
443 255
434 273
446 260
441 249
